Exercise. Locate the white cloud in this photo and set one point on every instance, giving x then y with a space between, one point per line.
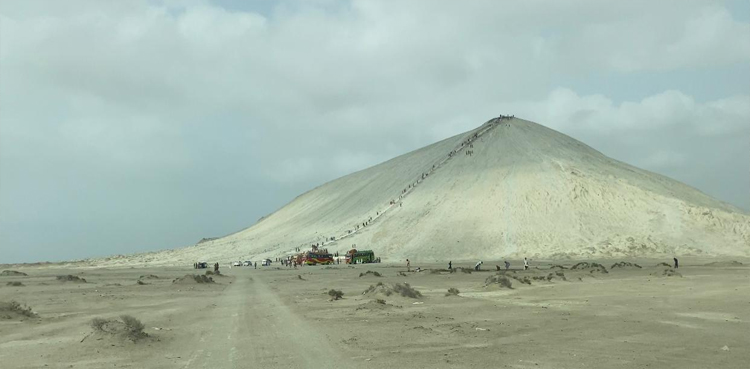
192 93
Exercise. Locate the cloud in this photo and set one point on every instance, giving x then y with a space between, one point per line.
211 114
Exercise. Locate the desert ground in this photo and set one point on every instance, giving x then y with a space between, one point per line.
697 316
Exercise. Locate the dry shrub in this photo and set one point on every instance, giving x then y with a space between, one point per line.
193 278
127 327
300 278
595 267
670 273
98 324
133 326
557 266
12 273
500 279
453 292
335 294
380 301
70 278
524 279
209 272
404 289
15 284
13 308
141 283
370 272
624 264
375 287
149 276
663 264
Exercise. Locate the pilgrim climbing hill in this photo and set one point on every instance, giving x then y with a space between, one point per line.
510 188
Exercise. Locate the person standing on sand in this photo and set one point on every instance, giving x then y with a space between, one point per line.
676 263
408 265
525 264
450 265
256 265
478 265
507 265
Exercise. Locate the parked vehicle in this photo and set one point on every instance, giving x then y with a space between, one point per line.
202 265
247 263
266 262
236 264
319 257
355 256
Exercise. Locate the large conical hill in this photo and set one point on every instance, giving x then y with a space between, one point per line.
510 188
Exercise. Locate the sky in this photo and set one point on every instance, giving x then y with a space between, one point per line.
130 126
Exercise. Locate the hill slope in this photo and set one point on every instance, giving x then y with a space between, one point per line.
525 190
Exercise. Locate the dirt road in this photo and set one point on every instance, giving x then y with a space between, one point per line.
252 325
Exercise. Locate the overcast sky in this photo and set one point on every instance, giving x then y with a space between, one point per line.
128 126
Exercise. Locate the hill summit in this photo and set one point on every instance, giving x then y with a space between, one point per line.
509 188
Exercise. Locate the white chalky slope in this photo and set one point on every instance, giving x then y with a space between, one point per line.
526 190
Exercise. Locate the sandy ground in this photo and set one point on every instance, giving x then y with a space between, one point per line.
284 318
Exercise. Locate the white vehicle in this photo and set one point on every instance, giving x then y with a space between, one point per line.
236 264
266 262
247 263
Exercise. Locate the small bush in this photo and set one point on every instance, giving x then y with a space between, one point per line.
624 264
300 277
16 308
406 290
465 270
499 279
209 272
557 266
70 278
380 301
663 264
12 273
370 272
15 284
98 324
524 279
141 283
127 327
453 292
133 326
335 294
